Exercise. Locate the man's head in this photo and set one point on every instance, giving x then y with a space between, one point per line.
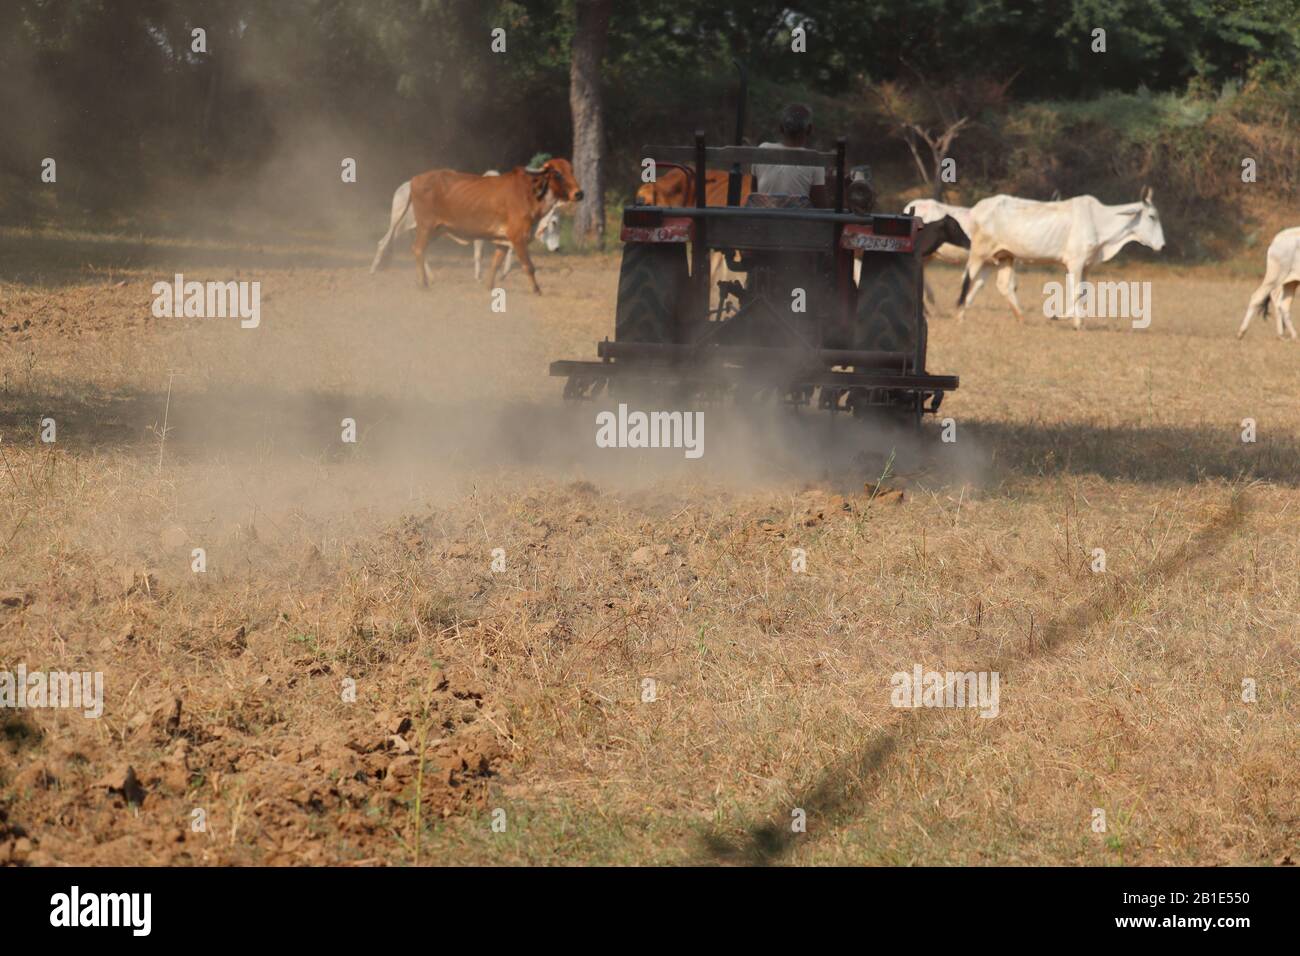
796 124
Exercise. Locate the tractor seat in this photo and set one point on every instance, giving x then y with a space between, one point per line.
777 201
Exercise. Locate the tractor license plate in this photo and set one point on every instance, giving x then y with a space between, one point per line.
861 238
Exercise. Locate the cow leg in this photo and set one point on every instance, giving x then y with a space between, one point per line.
971 284
719 272
1007 286
379 255
1074 280
521 252
1284 309
400 220
510 262
422 236
497 255
1258 304
478 259
428 270
716 265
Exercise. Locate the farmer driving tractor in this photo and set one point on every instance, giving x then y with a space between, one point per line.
803 181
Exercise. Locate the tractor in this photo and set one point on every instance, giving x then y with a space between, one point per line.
797 327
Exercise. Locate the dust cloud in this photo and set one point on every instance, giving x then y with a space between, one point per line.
443 393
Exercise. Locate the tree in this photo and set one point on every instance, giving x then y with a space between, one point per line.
591 29
937 117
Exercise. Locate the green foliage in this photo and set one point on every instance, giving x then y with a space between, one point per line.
1140 117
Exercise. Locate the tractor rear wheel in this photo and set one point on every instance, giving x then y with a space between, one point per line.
889 306
652 287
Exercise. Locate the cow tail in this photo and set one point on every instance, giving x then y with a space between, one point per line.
388 237
965 287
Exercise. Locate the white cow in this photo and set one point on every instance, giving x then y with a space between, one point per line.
402 220
1076 233
1281 277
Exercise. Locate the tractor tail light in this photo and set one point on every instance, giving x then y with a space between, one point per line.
892 225
642 218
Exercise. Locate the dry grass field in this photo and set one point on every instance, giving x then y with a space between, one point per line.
516 697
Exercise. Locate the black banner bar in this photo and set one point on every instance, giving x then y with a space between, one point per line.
340 905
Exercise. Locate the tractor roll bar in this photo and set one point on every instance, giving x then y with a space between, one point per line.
724 156
735 174
700 245
841 146
750 212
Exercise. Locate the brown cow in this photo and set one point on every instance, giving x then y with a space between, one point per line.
470 206
675 186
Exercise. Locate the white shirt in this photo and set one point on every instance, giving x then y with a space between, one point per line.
787 180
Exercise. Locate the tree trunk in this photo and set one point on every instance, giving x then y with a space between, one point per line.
591 27
212 118
211 109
